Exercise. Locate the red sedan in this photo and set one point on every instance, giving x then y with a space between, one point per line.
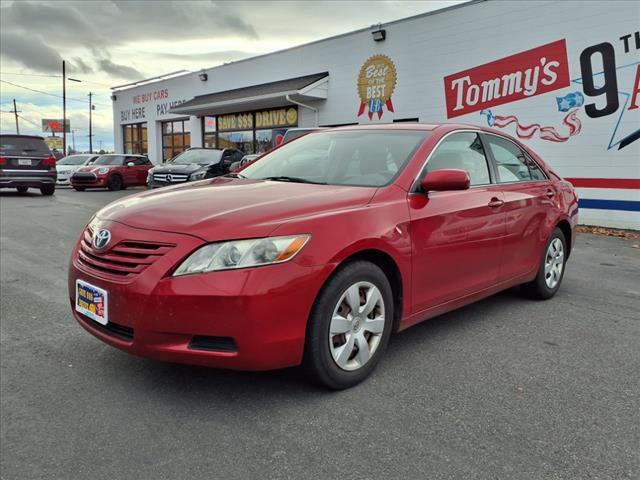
112 171
322 248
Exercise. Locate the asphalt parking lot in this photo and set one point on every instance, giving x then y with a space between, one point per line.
507 388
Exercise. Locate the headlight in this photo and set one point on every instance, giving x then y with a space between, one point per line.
197 175
103 170
242 254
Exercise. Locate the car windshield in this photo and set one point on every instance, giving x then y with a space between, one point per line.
200 156
14 145
370 158
109 160
73 160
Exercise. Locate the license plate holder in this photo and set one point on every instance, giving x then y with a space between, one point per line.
92 301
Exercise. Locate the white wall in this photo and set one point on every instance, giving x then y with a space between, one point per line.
427 49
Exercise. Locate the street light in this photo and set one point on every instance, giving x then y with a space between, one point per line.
64 105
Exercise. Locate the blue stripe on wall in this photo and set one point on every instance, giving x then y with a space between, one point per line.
627 205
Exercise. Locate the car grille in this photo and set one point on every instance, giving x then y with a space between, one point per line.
170 177
113 329
80 177
125 260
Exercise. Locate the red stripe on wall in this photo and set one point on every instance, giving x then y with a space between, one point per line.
627 183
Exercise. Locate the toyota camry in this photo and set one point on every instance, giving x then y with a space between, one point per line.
320 250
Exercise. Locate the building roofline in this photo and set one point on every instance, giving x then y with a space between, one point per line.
326 39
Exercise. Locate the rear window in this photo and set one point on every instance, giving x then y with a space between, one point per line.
15 145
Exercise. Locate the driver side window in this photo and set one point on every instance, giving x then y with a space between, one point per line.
463 151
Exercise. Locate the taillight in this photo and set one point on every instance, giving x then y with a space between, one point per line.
49 161
3 161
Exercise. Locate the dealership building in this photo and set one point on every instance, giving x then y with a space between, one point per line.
562 77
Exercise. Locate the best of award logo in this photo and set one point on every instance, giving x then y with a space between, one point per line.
376 83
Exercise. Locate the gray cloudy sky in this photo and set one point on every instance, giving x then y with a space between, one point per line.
106 43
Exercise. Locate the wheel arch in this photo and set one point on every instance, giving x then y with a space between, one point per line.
565 227
389 267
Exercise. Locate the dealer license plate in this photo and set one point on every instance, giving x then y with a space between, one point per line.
91 301
24 161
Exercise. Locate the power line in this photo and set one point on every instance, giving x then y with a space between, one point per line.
51 76
52 94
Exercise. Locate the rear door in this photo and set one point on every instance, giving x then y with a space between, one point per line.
25 155
457 235
529 200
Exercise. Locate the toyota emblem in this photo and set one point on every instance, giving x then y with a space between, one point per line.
101 239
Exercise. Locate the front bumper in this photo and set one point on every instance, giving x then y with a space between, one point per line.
258 316
88 179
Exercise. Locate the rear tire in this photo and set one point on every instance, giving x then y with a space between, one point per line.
22 189
551 271
115 183
344 359
79 189
47 190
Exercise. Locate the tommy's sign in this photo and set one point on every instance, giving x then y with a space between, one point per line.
523 75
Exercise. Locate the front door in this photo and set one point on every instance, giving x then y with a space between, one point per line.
457 236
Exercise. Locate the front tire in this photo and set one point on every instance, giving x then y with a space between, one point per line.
551 271
115 183
349 326
47 190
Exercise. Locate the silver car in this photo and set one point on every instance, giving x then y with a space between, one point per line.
68 165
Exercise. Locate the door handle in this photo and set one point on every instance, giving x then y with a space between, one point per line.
551 193
496 202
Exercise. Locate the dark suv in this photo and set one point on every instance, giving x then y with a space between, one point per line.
26 162
195 163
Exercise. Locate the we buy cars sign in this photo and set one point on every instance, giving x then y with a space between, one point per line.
523 75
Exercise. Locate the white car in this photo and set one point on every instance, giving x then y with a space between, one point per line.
68 165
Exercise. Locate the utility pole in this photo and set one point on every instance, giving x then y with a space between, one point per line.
90 132
64 105
15 111
73 139
64 108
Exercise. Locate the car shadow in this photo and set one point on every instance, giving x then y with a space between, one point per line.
191 384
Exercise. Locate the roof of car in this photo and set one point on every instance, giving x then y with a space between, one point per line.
119 154
16 135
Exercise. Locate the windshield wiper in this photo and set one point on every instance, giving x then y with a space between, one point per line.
284 178
235 175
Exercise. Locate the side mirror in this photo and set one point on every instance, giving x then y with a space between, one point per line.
130 164
447 179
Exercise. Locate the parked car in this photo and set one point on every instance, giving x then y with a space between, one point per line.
113 171
193 164
244 161
26 162
298 132
319 250
68 165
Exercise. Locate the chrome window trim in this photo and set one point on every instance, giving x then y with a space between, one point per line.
416 181
24 171
524 152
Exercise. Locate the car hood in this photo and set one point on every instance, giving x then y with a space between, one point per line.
228 208
188 168
91 168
